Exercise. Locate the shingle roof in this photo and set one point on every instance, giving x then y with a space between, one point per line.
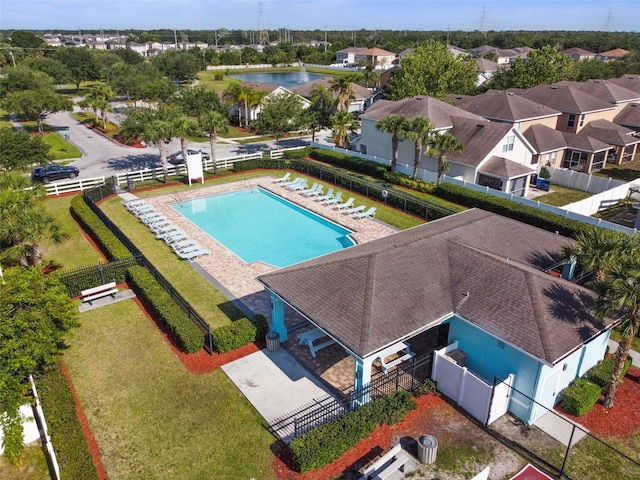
565 99
577 51
630 82
616 52
438 112
544 139
584 143
609 133
478 138
608 91
505 106
305 89
502 167
375 52
375 294
629 116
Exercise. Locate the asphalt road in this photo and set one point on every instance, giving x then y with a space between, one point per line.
103 156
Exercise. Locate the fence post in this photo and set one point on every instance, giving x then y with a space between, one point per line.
566 453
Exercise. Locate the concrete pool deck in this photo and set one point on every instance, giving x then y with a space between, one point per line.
229 273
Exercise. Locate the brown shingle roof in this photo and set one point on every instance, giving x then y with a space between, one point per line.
608 91
502 167
584 143
615 53
609 132
629 116
630 82
478 138
565 99
505 106
372 295
544 139
438 112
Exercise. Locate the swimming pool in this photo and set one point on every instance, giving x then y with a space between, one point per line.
258 225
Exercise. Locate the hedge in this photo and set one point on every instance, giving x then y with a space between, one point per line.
183 330
106 240
326 443
239 333
69 442
349 162
508 208
580 396
601 373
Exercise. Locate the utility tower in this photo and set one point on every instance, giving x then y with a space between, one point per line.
483 17
263 36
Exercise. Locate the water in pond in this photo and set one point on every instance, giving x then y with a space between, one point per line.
287 80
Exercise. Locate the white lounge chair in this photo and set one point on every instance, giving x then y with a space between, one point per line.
345 205
351 211
184 245
283 179
369 213
151 217
189 255
292 182
315 190
326 196
335 200
167 230
176 238
299 186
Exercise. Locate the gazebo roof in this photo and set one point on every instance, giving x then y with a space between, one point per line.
480 266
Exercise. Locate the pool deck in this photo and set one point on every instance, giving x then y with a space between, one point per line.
237 277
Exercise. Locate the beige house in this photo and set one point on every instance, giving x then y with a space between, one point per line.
252 112
364 96
579 53
615 54
378 58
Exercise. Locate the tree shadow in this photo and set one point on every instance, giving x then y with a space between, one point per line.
134 162
574 307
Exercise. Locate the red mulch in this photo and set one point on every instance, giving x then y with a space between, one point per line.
366 450
621 420
86 429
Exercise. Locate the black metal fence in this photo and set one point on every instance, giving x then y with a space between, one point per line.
572 452
194 316
378 190
89 276
407 376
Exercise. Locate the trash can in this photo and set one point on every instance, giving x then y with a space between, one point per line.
130 184
273 341
427 449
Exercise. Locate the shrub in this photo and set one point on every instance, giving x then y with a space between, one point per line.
99 232
544 173
239 333
183 330
601 373
349 162
72 449
324 444
426 387
298 153
580 396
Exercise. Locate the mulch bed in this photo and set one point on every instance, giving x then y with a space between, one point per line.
621 420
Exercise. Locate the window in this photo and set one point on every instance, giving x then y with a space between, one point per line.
572 120
508 144
582 120
363 149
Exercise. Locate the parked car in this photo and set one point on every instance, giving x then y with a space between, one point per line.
176 158
53 171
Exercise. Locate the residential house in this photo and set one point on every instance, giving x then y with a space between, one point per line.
376 57
140 48
252 112
347 56
579 53
615 54
622 139
496 155
549 145
487 69
457 51
454 283
502 56
630 82
364 96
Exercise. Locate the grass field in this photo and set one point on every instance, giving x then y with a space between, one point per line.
560 196
151 417
33 468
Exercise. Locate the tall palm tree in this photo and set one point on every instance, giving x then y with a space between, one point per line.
321 109
98 100
233 95
395 125
440 144
343 124
619 295
596 249
253 99
184 127
345 90
156 131
417 130
213 123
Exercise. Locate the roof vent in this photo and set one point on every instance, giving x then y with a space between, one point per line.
479 125
554 87
510 93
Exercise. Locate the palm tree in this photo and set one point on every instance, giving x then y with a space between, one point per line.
253 99
233 94
184 127
343 124
321 108
214 122
418 130
395 125
345 90
440 144
98 99
619 294
596 249
156 131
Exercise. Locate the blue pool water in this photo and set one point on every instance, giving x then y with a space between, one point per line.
287 80
258 225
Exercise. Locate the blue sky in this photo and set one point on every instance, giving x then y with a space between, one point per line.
320 14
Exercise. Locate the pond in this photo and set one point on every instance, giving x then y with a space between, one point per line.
287 80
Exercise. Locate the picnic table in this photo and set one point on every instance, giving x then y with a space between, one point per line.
309 338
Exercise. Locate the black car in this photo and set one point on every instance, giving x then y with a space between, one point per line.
176 158
53 171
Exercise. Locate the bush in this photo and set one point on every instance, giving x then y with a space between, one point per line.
72 449
99 232
326 443
426 387
601 373
580 396
298 153
239 333
348 162
183 330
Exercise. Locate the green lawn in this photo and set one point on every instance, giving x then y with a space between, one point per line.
151 417
76 251
4 119
33 468
560 196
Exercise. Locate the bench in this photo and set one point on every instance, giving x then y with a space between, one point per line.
386 366
91 294
391 462
310 336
